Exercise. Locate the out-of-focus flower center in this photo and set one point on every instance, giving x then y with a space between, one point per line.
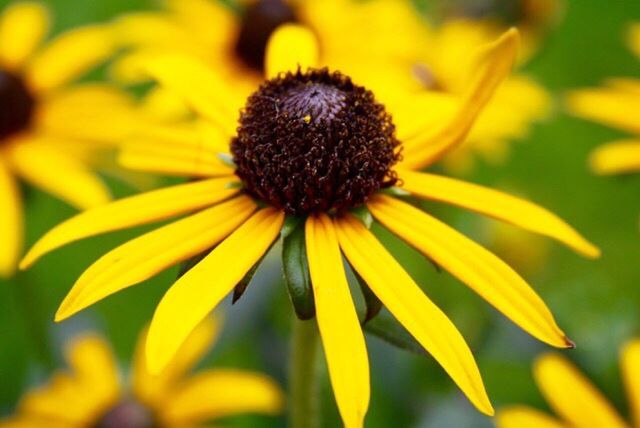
259 21
314 141
128 413
507 11
16 105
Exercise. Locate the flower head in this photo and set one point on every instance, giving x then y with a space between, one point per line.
576 401
90 393
315 146
50 132
614 105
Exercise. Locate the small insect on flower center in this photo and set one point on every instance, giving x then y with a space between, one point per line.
128 413
314 142
16 105
259 21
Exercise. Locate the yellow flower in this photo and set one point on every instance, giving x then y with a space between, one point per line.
359 38
92 393
577 402
49 131
314 146
614 105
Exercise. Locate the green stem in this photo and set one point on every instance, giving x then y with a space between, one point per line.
29 307
304 391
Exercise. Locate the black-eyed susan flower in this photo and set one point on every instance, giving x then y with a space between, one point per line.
92 393
429 57
48 129
614 105
313 147
575 400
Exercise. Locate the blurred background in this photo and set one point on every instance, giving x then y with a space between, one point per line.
595 302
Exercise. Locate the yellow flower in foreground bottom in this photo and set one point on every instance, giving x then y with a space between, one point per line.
615 105
316 147
49 131
91 394
577 402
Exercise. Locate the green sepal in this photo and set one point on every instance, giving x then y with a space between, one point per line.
296 272
227 159
388 329
372 303
291 222
241 287
188 264
395 191
363 214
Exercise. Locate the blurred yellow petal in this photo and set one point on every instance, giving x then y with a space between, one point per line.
616 158
340 331
630 367
200 290
11 221
498 205
64 400
197 16
157 29
614 107
572 396
478 268
219 393
494 65
178 151
23 26
94 365
634 39
291 47
200 87
164 106
70 56
406 301
92 112
525 417
154 390
132 211
38 161
143 257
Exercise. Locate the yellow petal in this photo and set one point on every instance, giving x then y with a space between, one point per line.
198 291
38 161
613 106
154 390
478 268
525 417
340 330
93 364
495 63
634 39
23 26
200 87
177 151
197 16
617 157
70 56
11 222
150 254
132 211
630 367
406 301
291 47
572 396
90 112
219 393
498 205
157 29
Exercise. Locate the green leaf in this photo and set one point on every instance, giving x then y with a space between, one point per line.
373 304
388 329
296 273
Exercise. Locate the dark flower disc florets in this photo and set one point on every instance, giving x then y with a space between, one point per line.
314 142
16 105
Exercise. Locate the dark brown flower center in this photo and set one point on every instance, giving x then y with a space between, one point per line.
314 141
16 105
259 21
128 413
